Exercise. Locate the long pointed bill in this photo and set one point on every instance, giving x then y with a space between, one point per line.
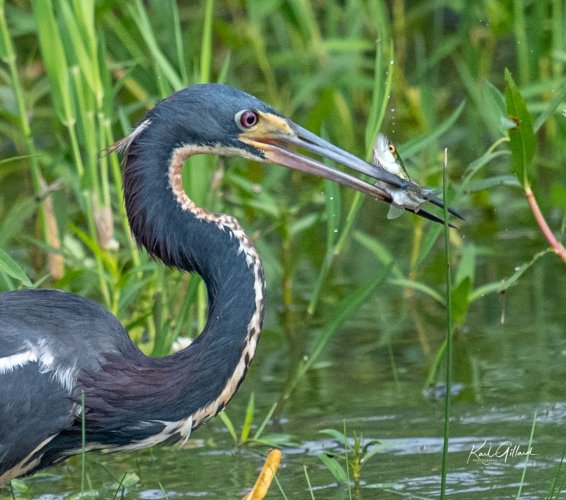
274 134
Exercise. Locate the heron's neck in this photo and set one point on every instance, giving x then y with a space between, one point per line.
172 228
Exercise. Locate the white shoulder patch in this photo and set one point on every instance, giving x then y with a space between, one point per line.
10 363
47 364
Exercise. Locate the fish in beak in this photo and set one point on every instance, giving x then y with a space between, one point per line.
386 156
274 136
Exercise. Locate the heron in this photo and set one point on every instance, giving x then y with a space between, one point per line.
65 358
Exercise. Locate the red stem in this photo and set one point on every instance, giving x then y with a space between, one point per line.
554 243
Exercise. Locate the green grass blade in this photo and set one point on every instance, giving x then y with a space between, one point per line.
527 455
381 92
421 287
14 220
334 467
248 419
449 326
206 48
10 267
54 59
264 423
520 270
520 30
229 426
181 57
162 64
308 482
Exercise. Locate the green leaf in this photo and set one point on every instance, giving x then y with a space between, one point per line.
19 486
80 45
467 265
128 480
478 185
54 59
428 243
487 158
421 287
12 268
381 91
302 224
493 106
333 212
15 219
275 440
261 428
460 302
4 40
334 468
229 426
522 136
161 62
520 270
482 291
335 434
373 448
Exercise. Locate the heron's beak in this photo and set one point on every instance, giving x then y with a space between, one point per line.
274 135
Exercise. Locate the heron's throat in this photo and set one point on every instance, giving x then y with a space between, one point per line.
233 273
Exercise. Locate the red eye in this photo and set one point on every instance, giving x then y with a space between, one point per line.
248 119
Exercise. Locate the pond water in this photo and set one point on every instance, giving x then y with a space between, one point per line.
370 382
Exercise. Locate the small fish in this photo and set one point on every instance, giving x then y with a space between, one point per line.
386 156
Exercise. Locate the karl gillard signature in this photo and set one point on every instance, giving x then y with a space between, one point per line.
485 453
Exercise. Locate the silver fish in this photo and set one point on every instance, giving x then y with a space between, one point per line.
386 156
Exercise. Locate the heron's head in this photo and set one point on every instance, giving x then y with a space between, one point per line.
219 119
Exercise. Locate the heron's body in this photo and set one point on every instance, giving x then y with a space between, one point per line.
59 345
35 325
60 353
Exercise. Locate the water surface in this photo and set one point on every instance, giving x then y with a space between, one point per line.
371 382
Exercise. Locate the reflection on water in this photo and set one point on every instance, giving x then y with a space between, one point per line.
408 463
370 382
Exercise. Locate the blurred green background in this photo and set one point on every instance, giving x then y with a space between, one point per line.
356 320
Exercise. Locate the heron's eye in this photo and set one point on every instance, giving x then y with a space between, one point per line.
392 148
248 118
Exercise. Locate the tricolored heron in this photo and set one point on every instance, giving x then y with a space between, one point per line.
58 349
